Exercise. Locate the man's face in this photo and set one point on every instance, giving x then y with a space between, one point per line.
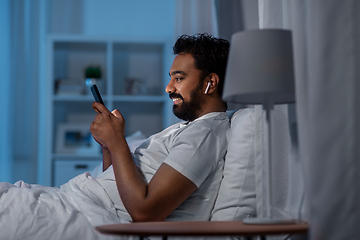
185 88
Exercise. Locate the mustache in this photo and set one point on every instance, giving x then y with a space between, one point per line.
175 95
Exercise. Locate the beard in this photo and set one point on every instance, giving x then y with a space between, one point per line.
188 110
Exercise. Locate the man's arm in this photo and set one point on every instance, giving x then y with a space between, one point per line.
144 201
106 158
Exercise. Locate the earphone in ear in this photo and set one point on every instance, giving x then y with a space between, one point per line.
207 88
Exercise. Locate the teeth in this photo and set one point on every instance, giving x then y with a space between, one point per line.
175 99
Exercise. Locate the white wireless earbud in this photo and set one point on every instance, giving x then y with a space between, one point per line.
207 88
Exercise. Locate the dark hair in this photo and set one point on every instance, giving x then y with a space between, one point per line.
210 54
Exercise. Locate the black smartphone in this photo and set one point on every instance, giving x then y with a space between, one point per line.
96 93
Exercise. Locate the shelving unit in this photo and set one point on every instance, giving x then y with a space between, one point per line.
134 76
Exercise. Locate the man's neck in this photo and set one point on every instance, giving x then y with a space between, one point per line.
216 106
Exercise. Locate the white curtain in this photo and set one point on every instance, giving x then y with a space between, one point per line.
24 25
326 36
316 150
195 16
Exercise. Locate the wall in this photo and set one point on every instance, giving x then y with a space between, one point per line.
130 18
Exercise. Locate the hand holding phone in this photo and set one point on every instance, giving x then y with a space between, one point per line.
96 93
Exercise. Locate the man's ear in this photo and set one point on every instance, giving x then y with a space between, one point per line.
211 84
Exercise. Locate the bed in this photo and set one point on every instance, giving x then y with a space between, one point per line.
29 211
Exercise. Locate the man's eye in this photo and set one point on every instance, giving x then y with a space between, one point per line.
178 79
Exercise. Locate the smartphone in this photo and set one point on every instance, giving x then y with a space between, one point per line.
96 93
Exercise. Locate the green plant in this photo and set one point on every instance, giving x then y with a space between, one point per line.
93 72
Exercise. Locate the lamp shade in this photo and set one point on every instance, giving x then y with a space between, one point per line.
260 68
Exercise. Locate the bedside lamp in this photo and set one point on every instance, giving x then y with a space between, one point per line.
260 71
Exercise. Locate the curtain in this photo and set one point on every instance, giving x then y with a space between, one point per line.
5 136
26 24
326 36
236 15
21 90
195 16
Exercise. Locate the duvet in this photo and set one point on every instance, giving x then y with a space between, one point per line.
29 211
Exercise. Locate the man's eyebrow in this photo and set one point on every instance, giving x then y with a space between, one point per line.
177 72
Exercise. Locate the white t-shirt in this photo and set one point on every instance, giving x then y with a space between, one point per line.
196 150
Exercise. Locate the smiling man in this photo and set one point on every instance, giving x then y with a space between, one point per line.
176 173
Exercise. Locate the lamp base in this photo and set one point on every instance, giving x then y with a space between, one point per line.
269 221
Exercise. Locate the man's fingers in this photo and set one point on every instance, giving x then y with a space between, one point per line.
99 108
116 113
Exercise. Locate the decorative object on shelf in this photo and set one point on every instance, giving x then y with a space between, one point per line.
260 71
69 86
93 74
75 138
135 86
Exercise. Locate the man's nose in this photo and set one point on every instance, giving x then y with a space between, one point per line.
170 88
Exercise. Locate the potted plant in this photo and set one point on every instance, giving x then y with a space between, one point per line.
93 76
93 72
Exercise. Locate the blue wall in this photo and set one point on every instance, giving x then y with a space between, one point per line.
133 18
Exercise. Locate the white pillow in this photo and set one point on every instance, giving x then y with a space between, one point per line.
236 198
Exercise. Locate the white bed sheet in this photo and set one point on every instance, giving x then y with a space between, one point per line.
30 211
71 212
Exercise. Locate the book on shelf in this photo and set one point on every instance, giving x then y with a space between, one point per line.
69 86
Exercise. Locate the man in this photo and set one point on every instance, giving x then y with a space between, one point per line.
176 173
173 175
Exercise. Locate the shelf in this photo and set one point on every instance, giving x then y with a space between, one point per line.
77 156
124 98
134 76
139 98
